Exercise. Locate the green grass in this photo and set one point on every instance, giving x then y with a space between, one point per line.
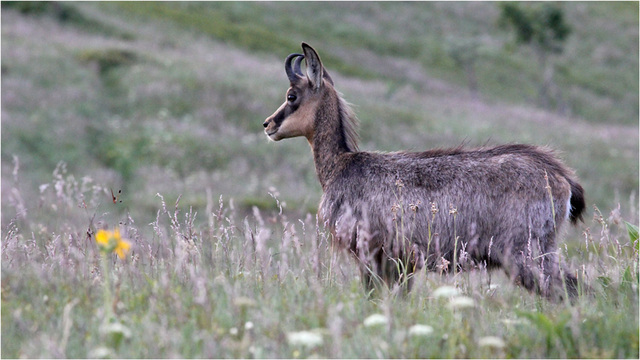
168 98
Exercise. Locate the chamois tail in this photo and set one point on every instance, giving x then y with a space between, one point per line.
576 201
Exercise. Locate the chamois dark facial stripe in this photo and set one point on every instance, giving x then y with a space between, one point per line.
288 110
292 108
279 118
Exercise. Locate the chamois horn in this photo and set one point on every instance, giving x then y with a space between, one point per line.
295 73
296 66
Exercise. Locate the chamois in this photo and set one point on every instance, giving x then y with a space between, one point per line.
444 209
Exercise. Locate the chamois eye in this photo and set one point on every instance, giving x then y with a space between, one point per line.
291 97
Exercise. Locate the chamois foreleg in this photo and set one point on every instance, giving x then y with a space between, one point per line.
383 270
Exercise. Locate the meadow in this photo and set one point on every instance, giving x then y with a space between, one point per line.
147 118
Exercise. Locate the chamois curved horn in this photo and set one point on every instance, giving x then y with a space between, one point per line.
291 73
296 66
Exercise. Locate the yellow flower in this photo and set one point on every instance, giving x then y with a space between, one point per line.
110 241
102 238
122 248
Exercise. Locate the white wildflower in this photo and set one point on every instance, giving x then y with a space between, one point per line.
100 353
420 330
117 329
304 338
491 341
375 320
446 292
461 302
514 321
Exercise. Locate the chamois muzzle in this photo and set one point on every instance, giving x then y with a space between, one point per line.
294 74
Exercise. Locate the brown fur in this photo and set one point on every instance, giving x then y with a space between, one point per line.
399 212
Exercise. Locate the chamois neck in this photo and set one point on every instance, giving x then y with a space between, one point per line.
334 135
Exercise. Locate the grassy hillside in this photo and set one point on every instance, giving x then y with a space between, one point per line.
157 97
162 105
599 61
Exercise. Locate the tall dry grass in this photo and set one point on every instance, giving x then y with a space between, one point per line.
214 282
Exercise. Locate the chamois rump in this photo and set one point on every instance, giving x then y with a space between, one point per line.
399 212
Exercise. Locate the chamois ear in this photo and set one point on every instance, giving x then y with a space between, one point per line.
327 77
315 72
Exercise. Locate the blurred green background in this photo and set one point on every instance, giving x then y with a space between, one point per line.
170 98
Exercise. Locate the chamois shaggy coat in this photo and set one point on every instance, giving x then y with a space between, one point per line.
445 209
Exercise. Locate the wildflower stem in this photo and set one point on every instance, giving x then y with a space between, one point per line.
453 211
107 286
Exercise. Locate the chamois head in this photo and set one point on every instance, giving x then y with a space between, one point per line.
296 116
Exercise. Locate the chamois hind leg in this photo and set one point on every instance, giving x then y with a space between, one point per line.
561 281
553 281
536 267
575 284
524 272
519 263
571 282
